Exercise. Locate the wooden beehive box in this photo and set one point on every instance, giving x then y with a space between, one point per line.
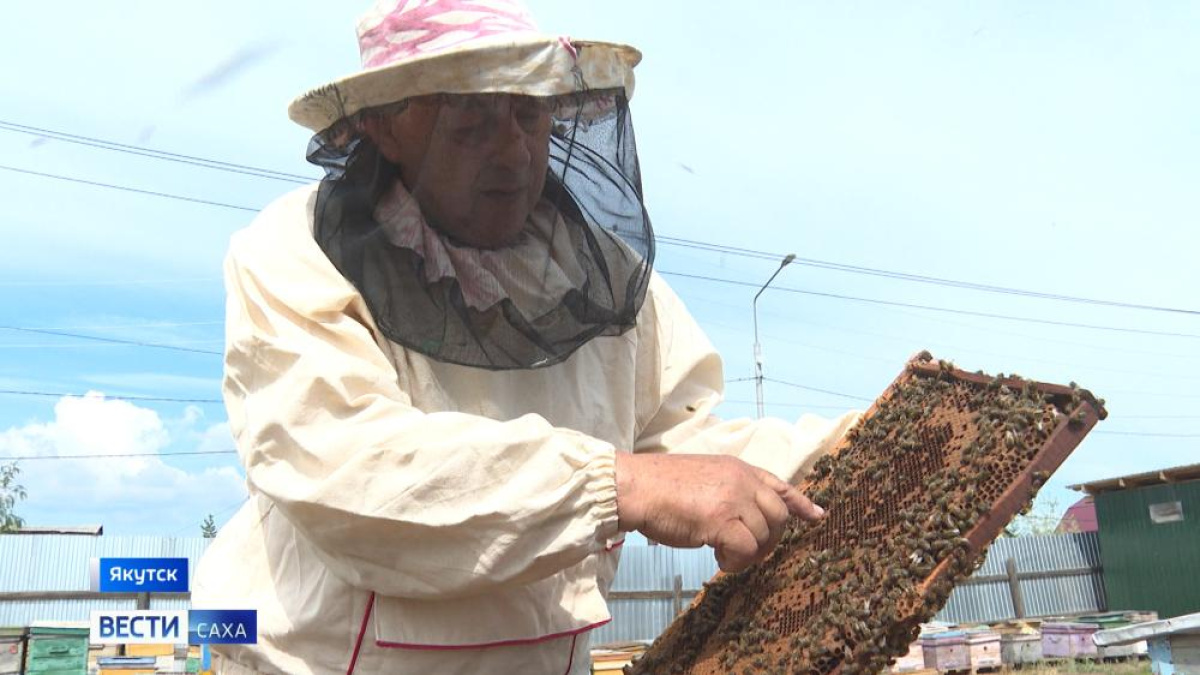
984 649
1066 640
1018 649
915 491
946 651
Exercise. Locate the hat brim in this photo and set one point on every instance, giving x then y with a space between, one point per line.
536 65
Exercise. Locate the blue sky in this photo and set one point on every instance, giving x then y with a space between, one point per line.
1044 147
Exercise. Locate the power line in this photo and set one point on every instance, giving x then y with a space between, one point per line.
961 351
700 299
1161 394
167 399
918 278
1075 344
215 515
874 301
1143 434
154 154
771 404
115 282
92 345
156 399
244 169
1160 417
119 455
791 404
97 338
821 391
1146 434
129 189
148 324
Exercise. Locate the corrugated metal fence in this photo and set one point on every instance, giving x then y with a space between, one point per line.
1056 575
1053 575
44 578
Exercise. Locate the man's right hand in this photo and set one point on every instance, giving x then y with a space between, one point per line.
688 501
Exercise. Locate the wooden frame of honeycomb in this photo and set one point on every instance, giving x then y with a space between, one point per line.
916 491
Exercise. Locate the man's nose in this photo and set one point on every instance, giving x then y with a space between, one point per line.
510 141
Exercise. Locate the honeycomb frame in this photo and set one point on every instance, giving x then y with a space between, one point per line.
915 492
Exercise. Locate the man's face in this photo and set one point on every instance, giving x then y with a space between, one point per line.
476 165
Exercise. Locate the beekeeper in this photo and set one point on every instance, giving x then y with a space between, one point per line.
454 379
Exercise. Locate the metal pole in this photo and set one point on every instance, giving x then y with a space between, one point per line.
758 363
1014 587
677 595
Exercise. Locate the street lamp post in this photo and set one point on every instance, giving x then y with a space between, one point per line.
758 362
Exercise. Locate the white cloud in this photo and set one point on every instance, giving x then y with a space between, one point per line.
127 495
216 438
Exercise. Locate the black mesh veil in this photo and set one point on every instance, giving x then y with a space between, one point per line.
578 269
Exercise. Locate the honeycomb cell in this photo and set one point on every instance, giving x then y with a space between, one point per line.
915 492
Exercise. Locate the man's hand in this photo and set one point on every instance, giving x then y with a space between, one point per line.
688 501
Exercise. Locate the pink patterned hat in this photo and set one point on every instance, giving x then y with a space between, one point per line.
417 47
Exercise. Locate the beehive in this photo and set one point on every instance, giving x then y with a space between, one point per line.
915 492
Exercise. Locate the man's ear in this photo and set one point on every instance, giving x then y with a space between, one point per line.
379 129
403 137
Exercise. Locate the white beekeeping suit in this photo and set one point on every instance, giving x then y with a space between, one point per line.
430 420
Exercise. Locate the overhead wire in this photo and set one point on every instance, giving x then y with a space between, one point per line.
699 299
918 278
116 455
1007 317
674 241
771 404
238 168
876 301
97 338
215 515
1144 434
124 188
143 151
819 391
116 397
172 399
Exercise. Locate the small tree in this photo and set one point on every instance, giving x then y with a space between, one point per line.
1040 521
208 529
10 494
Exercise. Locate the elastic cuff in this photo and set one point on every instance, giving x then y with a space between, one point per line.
602 487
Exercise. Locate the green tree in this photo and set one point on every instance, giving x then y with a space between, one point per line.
208 529
10 494
1043 519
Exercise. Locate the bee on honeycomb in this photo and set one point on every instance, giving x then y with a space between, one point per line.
915 492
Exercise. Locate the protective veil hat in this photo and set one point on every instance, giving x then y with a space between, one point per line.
510 231
412 48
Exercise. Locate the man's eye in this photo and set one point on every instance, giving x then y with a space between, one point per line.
469 134
531 119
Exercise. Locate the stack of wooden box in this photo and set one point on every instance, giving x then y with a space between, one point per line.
1174 644
127 665
1112 620
612 658
12 649
983 648
946 651
1068 640
58 648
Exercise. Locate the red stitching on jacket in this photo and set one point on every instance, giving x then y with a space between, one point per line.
571 661
488 645
361 631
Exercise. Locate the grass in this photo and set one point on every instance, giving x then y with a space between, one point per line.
1083 667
